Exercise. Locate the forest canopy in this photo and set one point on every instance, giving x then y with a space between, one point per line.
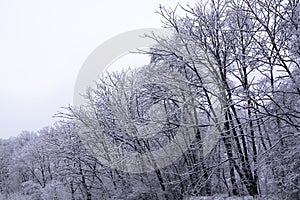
253 48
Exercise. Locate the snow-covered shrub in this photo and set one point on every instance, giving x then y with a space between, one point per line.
55 190
31 189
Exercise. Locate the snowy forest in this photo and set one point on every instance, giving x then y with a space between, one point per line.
252 47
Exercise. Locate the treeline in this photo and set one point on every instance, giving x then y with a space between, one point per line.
253 49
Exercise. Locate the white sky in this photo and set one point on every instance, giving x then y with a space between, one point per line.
43 45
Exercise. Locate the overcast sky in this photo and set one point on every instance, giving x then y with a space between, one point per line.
43 45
